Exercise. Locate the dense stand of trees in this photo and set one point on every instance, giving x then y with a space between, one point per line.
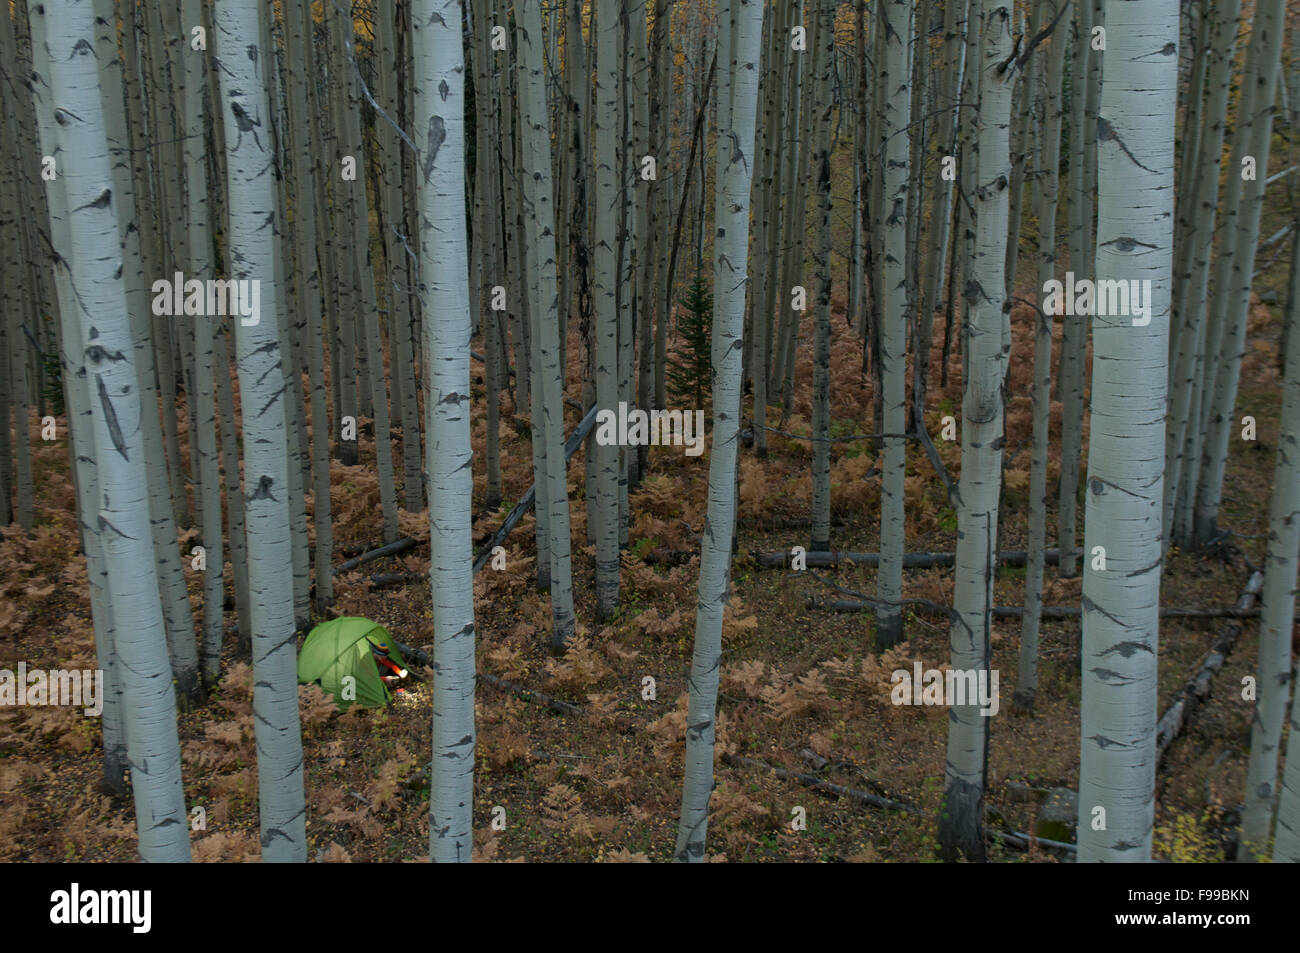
242 244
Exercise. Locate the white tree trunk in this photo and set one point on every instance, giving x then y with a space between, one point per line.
153 748
1122 516
252 230
730 252
1277 608
540 219
895 303
961 825
439 79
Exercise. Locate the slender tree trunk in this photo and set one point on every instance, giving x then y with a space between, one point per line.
153 747
606 332
894 296
78 402
961 830
1283 543
1074 333
262 384
743 20
824 38
1266 37
1048 189
444 291
1190 311
1122 528
540 213
1277 608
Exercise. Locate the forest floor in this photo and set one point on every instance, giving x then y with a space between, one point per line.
799 684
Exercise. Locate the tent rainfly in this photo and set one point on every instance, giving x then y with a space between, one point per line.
338 655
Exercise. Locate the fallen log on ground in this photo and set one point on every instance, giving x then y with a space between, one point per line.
530 495
820 560
1011 838
413 654
1049 612
1175 719
399 546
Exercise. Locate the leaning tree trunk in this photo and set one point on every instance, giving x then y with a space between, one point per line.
735 145
961 830
1277 607
153 746
895 298
439 79
251 190
1122 516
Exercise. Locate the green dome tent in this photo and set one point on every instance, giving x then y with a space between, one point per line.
340 648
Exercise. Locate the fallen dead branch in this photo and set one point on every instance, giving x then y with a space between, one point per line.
1010 838
821 560
391 549
530 495
1176 718
1049 612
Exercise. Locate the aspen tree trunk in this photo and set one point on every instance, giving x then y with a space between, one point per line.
624 287
406 405
664 101
766 309
1193 280
795 148
894 296
177 614
795 261
947 137
1277 609
311 300
1283 541
645 96
1230 209
1048 189
487 187
370 350
1122 527
444 290
606 127
824 38
961 823
1266 31
286 262
743 21
14 360
1074 329
251 190
540 214
1021 140
75 377
205 330
153 747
